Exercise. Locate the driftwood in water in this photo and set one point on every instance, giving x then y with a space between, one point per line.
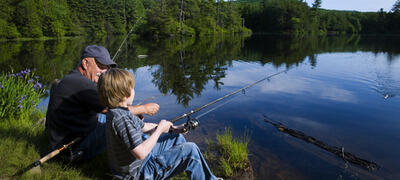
335 150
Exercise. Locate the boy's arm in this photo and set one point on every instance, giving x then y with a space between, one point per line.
150 109
146 146
148 127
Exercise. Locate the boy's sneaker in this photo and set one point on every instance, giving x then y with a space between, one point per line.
220 178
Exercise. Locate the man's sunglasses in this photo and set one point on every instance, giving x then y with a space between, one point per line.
101 66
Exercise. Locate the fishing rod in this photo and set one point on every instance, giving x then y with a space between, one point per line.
193 123
127 35
335 150
47 157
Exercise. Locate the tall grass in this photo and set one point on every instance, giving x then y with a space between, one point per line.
231 157
19 95
234 151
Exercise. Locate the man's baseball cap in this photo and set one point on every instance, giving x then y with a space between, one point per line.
100 53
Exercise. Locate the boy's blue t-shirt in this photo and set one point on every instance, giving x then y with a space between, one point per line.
123 133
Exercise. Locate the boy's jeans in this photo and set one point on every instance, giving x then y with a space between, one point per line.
173 155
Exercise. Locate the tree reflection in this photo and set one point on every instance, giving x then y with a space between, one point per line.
183 66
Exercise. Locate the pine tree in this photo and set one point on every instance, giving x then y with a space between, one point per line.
317 4
396 6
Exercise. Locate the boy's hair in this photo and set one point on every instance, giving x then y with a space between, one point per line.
115 85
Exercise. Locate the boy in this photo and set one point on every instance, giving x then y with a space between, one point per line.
130 155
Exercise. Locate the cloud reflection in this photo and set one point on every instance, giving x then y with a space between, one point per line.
290 83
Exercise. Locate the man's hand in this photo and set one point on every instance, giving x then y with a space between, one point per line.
164 126
151 108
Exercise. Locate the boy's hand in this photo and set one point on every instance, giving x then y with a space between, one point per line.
151 108
164 126
179 129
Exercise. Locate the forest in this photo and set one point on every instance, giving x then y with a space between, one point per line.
165 18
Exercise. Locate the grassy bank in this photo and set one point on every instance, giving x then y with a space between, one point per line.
23 137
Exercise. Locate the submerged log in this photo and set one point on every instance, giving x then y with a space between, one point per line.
371 166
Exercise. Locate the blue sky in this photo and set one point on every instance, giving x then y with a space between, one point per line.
358 5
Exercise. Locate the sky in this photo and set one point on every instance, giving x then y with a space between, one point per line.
358 5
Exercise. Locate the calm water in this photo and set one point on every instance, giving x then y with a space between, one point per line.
344 91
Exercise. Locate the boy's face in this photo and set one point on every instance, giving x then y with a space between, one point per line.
129 100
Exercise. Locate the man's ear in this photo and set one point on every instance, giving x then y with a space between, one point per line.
84 63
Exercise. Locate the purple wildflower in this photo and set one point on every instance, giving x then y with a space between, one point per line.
37 86
31 81
26 72
20 106
22 98
37 77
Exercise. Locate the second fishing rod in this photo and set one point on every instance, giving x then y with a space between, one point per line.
192 123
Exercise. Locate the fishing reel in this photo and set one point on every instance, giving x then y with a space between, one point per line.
190 124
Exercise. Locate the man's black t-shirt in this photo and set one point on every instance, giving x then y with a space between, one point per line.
72 110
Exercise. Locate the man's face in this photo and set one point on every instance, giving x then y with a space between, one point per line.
93 69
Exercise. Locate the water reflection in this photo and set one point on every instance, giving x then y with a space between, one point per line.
183 66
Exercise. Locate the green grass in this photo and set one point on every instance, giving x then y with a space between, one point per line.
25 143
229 156
23 137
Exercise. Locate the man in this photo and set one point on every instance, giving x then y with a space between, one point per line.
74 106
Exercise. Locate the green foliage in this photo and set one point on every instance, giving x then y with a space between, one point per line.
155 18
8 30
232 156
296 17
20 94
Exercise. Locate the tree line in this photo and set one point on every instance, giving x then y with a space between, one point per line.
161 18
296 17
157 18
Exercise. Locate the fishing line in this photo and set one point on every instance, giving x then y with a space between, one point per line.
216 107
191 124
226 96
127 35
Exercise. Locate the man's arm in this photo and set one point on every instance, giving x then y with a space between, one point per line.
144 149
150 109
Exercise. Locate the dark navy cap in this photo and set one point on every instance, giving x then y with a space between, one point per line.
100 53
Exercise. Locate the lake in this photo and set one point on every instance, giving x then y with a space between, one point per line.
341 90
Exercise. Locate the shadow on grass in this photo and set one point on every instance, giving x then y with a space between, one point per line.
22 146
